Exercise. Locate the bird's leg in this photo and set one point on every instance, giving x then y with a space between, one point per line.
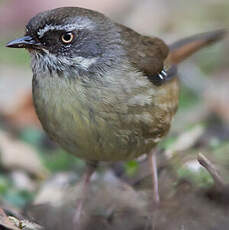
153 167
90 168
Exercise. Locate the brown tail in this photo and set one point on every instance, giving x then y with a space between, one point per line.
182 49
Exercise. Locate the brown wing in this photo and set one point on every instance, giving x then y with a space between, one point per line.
145 53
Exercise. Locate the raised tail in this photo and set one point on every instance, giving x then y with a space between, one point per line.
184 48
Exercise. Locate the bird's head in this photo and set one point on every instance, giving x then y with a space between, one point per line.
71 37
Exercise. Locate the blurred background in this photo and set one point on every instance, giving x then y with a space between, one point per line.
37 177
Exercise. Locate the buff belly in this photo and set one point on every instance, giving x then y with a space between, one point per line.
104 123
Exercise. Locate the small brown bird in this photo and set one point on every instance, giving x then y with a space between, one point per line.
102 91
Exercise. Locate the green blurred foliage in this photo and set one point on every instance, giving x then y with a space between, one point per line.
59 160
131 167
18 198
19 57
13 195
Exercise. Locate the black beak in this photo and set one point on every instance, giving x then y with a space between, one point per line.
24 42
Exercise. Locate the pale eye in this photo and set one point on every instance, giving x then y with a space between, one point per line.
67 38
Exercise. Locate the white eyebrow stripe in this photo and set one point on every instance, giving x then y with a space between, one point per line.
79 24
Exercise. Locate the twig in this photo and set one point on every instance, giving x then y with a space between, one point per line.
5 222
213 171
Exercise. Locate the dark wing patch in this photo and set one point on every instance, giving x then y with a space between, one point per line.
164 76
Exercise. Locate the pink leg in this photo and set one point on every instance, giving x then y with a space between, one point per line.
153 167
91 166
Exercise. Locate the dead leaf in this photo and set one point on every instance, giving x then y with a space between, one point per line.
18 155
16 96
186 140
23 112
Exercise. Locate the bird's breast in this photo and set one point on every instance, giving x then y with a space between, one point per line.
116 118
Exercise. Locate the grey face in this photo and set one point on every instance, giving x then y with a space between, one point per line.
69 40
66 38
